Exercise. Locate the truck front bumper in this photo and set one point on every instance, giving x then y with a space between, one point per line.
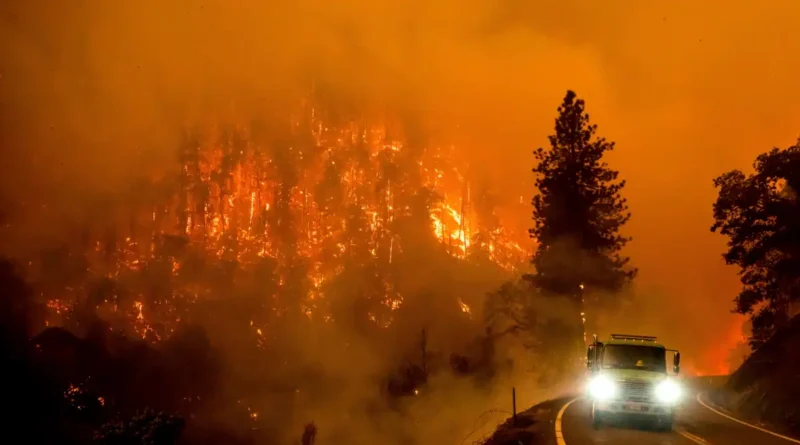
619 407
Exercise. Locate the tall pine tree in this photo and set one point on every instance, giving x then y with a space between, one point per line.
578 213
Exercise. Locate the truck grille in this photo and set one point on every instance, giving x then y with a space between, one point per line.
636 391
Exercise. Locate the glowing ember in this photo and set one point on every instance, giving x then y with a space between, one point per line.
464 307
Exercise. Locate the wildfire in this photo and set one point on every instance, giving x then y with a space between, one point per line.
320 194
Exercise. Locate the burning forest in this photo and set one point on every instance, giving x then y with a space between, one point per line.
281 269
278 214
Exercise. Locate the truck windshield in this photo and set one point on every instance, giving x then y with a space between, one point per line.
645 358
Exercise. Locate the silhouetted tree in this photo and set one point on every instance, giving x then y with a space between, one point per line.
578 213
759 214
39 404
579 210
309 434
488 224
508 310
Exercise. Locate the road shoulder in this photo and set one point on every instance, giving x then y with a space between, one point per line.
534 426
710 402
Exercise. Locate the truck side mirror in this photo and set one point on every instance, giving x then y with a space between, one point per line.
676 363
590 357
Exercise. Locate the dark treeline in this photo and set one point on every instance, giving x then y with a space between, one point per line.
760 214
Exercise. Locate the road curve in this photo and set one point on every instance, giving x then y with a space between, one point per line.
697 422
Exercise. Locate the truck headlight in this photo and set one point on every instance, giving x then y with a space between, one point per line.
668 391
601 387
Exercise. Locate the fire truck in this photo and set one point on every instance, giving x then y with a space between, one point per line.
629 378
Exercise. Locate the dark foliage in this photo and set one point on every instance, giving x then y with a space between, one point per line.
64 389
759 214
146 428
38 403
578 211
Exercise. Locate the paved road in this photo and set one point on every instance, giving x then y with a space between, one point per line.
694 424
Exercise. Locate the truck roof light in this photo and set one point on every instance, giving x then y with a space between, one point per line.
633 337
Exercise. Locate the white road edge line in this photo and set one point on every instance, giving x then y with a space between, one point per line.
700 400
559 431
696 439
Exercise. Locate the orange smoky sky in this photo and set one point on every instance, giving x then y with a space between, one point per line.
93 91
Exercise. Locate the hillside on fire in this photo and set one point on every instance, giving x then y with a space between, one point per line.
314 271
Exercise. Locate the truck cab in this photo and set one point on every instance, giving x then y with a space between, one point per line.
629 377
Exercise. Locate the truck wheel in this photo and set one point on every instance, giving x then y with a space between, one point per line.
597 419
665 424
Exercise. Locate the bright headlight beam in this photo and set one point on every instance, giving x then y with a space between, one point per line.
668 391
601 387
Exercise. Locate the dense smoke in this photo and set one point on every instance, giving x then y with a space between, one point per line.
97 97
